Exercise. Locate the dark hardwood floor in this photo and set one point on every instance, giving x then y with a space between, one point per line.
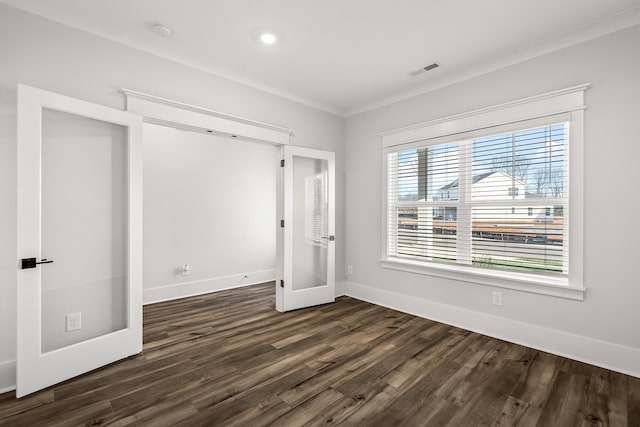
230 359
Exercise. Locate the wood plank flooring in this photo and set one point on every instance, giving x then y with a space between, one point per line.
230 359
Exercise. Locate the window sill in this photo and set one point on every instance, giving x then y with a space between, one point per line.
545 285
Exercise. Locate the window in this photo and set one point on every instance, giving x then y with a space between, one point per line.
470 201
487 194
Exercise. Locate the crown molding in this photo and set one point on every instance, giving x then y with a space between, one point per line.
575 36
166 51
602 27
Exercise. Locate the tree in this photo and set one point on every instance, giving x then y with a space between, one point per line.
517 167
540 181
556 182
523 164
549 183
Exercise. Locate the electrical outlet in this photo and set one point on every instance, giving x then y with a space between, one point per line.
496 297
349 270
74 321
185 270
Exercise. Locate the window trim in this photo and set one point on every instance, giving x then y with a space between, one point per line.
568 101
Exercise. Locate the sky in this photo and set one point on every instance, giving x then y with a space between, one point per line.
538 154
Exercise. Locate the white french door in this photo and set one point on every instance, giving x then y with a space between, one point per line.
79 237
306 238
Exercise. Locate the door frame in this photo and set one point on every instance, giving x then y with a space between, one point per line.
167 112
35 370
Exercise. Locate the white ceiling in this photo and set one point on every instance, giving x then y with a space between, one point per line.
345 56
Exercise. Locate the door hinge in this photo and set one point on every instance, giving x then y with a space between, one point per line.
282 283
282 163
282 223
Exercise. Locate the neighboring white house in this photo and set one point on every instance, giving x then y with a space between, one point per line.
496 185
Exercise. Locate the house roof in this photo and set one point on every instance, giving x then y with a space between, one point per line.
476 178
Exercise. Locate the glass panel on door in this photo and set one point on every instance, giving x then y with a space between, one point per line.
310 222
84 229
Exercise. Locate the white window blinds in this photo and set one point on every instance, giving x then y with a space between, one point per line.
495 201
316 207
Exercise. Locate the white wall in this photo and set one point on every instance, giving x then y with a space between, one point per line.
209 202
50 56
609 315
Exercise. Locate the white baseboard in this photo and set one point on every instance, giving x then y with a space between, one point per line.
584 349
199 287
7 376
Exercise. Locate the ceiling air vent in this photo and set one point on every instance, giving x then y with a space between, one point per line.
423 69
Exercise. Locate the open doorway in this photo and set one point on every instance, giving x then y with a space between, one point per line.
209 212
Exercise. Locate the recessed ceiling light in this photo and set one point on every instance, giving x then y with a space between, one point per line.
161 30
268 38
